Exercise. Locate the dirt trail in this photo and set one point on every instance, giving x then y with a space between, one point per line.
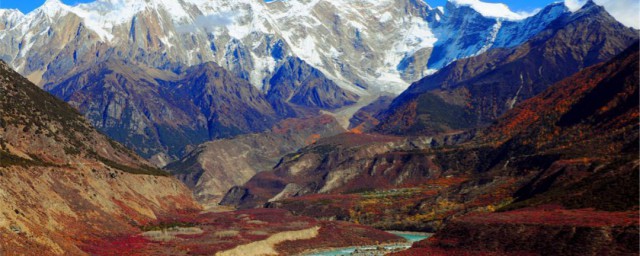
266 247
170 234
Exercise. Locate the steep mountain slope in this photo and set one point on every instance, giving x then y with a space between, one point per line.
574 145
230 105
128 103
159 114
298 83
214 167
589 125
593 114
477 90
251 38
9 18
36 125
61 181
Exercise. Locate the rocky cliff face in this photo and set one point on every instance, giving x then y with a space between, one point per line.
61 181
298 83
230 105
214 167
478 33
343 163
129 103
160 114
477 90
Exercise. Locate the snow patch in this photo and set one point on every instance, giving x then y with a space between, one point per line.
263 66
385 17
574 5
492 38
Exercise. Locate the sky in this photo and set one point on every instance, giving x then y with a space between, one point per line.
626 11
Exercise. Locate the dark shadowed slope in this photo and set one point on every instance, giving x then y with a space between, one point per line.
298 83
575 148
161 114
129 103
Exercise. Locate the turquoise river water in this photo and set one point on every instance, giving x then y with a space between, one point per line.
411 238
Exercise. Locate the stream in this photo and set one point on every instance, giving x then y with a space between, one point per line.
411 237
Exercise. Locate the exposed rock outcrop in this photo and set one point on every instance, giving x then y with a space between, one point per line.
214 167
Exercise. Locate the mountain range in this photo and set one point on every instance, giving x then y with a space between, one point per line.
171 126
438 105
401 40
319 55
477 90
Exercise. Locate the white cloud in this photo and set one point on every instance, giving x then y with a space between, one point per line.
529 14
496 10
625 11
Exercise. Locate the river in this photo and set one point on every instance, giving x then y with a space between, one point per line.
411 237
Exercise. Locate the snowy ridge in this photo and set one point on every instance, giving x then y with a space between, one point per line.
516 33
9 18
492 32
380 45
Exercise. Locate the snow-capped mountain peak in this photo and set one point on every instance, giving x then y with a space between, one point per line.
52 8
382 45
53 3
575 5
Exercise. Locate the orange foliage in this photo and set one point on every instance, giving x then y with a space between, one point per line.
358 129
312 139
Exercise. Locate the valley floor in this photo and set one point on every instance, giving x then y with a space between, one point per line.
245 232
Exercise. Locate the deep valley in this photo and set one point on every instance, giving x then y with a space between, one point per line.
319 127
